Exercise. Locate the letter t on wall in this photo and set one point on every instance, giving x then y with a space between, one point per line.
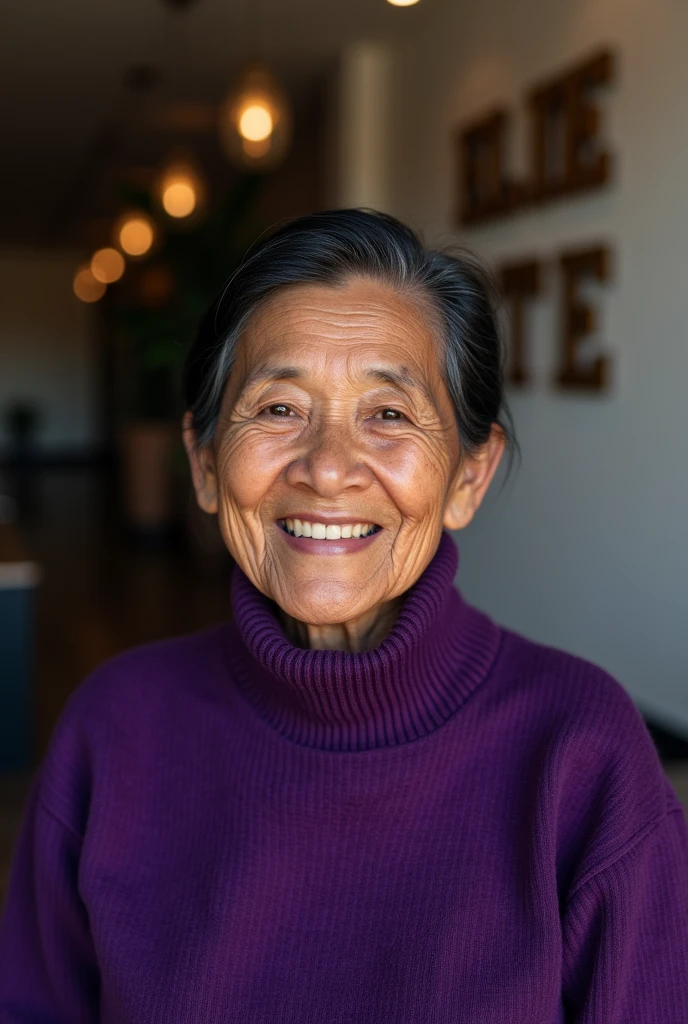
520 282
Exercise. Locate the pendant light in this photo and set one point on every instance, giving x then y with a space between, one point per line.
86 287
107 265
179 188
135 233
255 120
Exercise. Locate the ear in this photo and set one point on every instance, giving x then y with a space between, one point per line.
203 468
472 481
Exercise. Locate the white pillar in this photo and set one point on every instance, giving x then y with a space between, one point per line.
361 99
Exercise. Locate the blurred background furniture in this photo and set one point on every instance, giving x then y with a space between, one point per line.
19 576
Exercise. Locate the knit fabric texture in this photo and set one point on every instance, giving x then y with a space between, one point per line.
460 826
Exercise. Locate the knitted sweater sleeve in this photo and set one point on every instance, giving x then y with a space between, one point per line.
625 933
48 969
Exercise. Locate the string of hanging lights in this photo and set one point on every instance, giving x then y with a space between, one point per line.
254 127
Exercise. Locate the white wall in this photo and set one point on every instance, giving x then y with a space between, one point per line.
588 548
47 348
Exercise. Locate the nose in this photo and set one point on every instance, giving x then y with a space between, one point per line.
330 463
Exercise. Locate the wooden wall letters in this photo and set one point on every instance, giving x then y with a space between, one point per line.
521 282
580 319
566 154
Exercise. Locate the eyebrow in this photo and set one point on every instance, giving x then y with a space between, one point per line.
399 378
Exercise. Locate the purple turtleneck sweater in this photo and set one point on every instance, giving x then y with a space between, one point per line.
457 827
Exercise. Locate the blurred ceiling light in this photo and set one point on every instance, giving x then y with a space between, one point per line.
255 120
179 189
179 198
107 265
86 287
255 123
402 3
135 234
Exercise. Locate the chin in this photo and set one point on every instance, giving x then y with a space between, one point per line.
325 607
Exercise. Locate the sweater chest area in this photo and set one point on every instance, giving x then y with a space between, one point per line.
412 893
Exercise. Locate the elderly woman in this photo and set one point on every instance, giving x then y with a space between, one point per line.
358 799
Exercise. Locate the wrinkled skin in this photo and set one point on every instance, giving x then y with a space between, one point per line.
330 442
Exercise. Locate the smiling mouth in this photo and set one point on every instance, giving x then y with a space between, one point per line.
321 531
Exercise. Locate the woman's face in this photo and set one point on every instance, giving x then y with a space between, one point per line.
335 413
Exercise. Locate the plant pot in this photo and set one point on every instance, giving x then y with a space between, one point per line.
146 449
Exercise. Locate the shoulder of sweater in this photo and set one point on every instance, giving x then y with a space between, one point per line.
597 756
589 696
148 671
121 699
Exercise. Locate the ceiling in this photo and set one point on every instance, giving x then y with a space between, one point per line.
69 121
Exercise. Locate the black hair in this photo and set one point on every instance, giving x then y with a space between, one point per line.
329 247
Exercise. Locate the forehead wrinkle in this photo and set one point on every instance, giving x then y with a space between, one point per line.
294 310
302 322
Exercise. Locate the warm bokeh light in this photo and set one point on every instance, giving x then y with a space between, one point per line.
107 265
86 287
402 3
255 120
135 235
255 123
180 188
179 198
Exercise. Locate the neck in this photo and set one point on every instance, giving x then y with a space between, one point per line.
360 634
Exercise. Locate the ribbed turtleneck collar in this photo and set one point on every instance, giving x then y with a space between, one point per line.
436 654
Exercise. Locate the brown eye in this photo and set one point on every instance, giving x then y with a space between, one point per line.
396 415
282 410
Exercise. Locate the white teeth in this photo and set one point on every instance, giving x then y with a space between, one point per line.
321 531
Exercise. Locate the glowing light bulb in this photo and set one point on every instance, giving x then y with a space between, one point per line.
107 265
255 123
86 287
255 120
402 3
179 198
135 235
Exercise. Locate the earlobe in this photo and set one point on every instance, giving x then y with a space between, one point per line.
202 468
206 493
457 513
